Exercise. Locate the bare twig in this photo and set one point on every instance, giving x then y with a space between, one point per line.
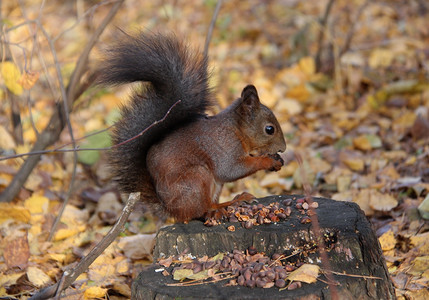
59 150
352 29
71 274
68 123
355 275
321 37
317 233
151 125
211 27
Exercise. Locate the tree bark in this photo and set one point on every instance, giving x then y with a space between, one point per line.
355 250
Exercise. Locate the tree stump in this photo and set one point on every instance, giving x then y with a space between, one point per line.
354 250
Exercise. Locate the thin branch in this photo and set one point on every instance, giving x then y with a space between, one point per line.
70 275
81 67
81 17
355 275
352 28
211 27
322 31
151 125
59 150
316 229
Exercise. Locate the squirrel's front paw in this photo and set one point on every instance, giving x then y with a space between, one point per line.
278 162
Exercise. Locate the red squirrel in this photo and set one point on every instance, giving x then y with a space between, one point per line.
183 161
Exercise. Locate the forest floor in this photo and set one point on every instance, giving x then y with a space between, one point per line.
351 92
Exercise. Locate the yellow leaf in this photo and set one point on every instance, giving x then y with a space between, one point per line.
18 213
6 140
57 257
28 79
123 267
355 163
94 292
102 273
380 58
37 204
362 143
11 76
306 273
307 65
181 274
122 288
65 232
10 279
299 92
362 199
382 202
289 106
37 277
419 265
343 183
387 241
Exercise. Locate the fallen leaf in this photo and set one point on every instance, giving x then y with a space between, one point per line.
17 252
180 274
289 106
6 140
15 212
37 277
166 262
354 163
102 273
307 65
382 202
37 204
380 57
122 288
11 76
95 292
362 198
10 279
64 233
419 265
306 273
28 79
367 142
387 241
424 208
137 246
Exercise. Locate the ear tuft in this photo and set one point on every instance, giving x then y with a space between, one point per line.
249 91
249 96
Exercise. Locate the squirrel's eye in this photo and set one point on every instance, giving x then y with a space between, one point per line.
269 129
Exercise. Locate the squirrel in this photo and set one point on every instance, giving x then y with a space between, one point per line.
183 161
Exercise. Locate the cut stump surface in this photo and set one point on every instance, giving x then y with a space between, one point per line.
353 249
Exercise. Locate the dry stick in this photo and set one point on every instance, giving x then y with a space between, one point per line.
211 27
317 232
72 273
80 67
352 29
14 99
69 127
56 123
355 275
59 150
321 37
70 276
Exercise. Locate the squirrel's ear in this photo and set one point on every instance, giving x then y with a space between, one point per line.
249 98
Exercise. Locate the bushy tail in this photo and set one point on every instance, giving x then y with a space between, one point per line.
174 73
